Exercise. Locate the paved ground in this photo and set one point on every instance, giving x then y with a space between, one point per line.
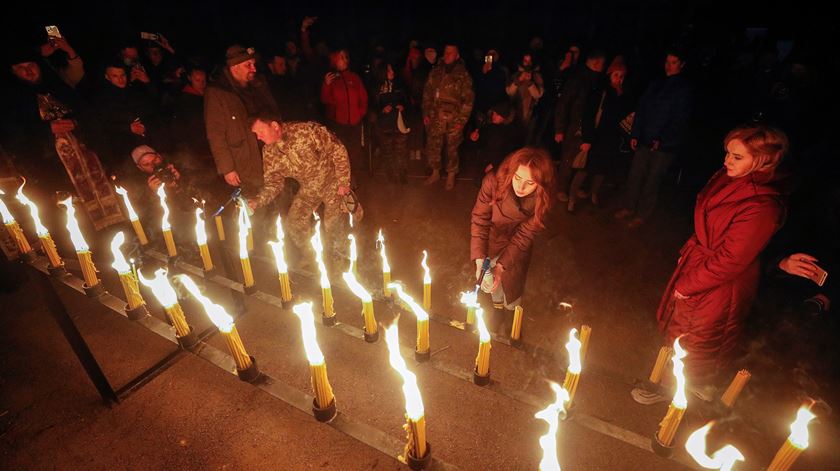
195 415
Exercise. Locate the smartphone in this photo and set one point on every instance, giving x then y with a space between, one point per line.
820 276
52 32
488 59
149 36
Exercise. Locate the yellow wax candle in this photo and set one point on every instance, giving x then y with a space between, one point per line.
250 240
49 249
247 274
386 279
796 443
661 361
417 433
785 457
328 302
285 287
131 290
220 227
19 237
170 243
237 349
585 333
470 315
482 361
88 269
427 296
516 329
205 257
179 321
422 335
570 384
321 384
370 320
138 229
735 387
668 426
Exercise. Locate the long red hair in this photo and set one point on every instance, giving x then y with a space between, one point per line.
542 172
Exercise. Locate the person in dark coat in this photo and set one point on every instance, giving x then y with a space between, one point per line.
601 133
713 287
391 114
497 137
510 210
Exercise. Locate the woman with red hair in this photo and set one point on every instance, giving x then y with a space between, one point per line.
713 287
510 210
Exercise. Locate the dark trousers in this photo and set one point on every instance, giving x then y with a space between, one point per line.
647 171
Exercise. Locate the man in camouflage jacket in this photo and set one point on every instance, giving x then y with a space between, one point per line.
447 104
311 154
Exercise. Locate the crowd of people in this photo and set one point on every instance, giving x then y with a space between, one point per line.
541 129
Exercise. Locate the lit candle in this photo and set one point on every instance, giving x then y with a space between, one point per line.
723 459
82 248
165 294
201 240
796 443
127 280
132 216
42 232
585 333
326 289
223 321
386 268
427 283
661 361
353 254
415 413
14 228
482 361
164 224
735 387
573 346
220 226
244 227
551 415
668 426
371 333
470 299
324 397
516 329
280 261
422 349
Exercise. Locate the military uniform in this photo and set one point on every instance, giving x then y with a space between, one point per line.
309 153
447 102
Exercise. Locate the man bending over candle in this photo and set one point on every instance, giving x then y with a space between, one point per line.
313 156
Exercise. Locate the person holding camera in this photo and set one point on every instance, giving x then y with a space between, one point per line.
525 90
345 99
714 284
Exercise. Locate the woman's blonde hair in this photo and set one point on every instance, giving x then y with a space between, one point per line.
766 144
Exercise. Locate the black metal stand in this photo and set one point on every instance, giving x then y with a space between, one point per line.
250 374
665 451
328 321
326 414
422 357
417 464
481 380
371 338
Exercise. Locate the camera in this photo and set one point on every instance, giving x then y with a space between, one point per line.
164 173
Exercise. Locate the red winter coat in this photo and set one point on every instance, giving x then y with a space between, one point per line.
718 269
345 98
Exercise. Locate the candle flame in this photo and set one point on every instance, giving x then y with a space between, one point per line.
243 232
277 249
39 228
4 211
483 333
573 347
200 231
307 330
414 409
132 215
679 401
427 278
469 298
356 287
799 428
164 221
119 264
723 459
353 254
551 415
76 235
418 310
163 291
216 313
351 220
318 246
386 268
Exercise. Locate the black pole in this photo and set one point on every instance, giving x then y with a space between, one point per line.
75 339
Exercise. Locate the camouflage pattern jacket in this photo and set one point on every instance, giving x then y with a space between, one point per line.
449 94
309 153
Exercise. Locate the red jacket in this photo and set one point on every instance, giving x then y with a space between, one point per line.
718 269
345 98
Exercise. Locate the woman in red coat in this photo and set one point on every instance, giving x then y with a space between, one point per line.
509 211
714 284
